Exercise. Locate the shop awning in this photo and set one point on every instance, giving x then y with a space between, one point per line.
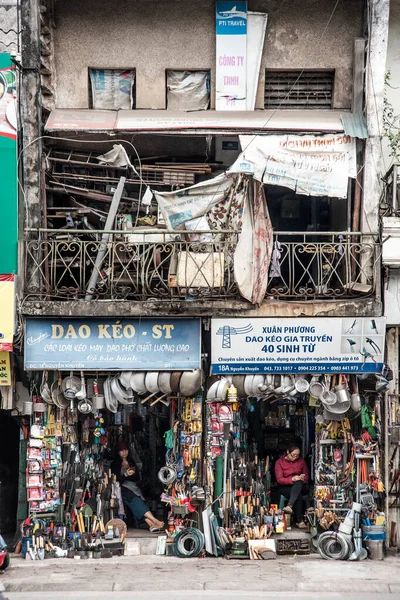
193 123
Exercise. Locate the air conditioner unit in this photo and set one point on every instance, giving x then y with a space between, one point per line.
391 241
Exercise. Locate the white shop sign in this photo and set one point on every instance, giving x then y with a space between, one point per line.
315 165
231 52
314 345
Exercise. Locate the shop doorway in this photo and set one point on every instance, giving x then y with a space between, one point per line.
9 464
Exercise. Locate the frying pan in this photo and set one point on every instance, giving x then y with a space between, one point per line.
238 382
175 379
190 382
164 382
138 382
61 401
151 382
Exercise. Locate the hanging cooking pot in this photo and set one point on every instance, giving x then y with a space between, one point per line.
138 382
70 386
27 407
190 382
238 382
342 391
164 382
248 385
316 387
151 382
85 406
174 381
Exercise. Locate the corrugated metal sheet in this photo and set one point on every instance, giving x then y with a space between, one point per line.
200 122
355 125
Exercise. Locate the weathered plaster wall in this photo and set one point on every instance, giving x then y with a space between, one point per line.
154 35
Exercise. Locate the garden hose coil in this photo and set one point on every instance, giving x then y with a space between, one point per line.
167 475
334 545
189 543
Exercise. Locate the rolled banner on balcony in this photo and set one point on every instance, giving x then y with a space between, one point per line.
253 252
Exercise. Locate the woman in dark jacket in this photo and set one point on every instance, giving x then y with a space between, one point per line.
125 470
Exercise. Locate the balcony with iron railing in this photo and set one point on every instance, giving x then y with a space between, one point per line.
64 265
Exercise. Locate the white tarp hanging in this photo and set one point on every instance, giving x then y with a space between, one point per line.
195 201
253 252
225 203
188 90
112 88
309 164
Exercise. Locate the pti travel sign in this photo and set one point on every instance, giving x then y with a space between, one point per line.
113 344
8 166
231 50
316 345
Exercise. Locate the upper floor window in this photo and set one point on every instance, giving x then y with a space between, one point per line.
188 90
112 89
299 89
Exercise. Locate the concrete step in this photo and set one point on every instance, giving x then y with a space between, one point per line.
138 546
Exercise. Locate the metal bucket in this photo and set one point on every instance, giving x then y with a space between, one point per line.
39 407
342 394
375 548
98 402
27 408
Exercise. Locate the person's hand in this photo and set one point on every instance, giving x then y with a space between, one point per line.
130 472
302 477
296 478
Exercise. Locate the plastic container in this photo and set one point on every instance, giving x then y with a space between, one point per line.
378 536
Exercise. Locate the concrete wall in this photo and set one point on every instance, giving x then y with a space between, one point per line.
154 35
393 65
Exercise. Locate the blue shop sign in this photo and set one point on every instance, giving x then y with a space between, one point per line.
113 345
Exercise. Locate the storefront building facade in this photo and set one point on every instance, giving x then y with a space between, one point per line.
205 275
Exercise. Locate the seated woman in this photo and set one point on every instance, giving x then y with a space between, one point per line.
125 470
291 474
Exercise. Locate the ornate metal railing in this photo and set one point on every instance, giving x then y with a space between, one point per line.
140 266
